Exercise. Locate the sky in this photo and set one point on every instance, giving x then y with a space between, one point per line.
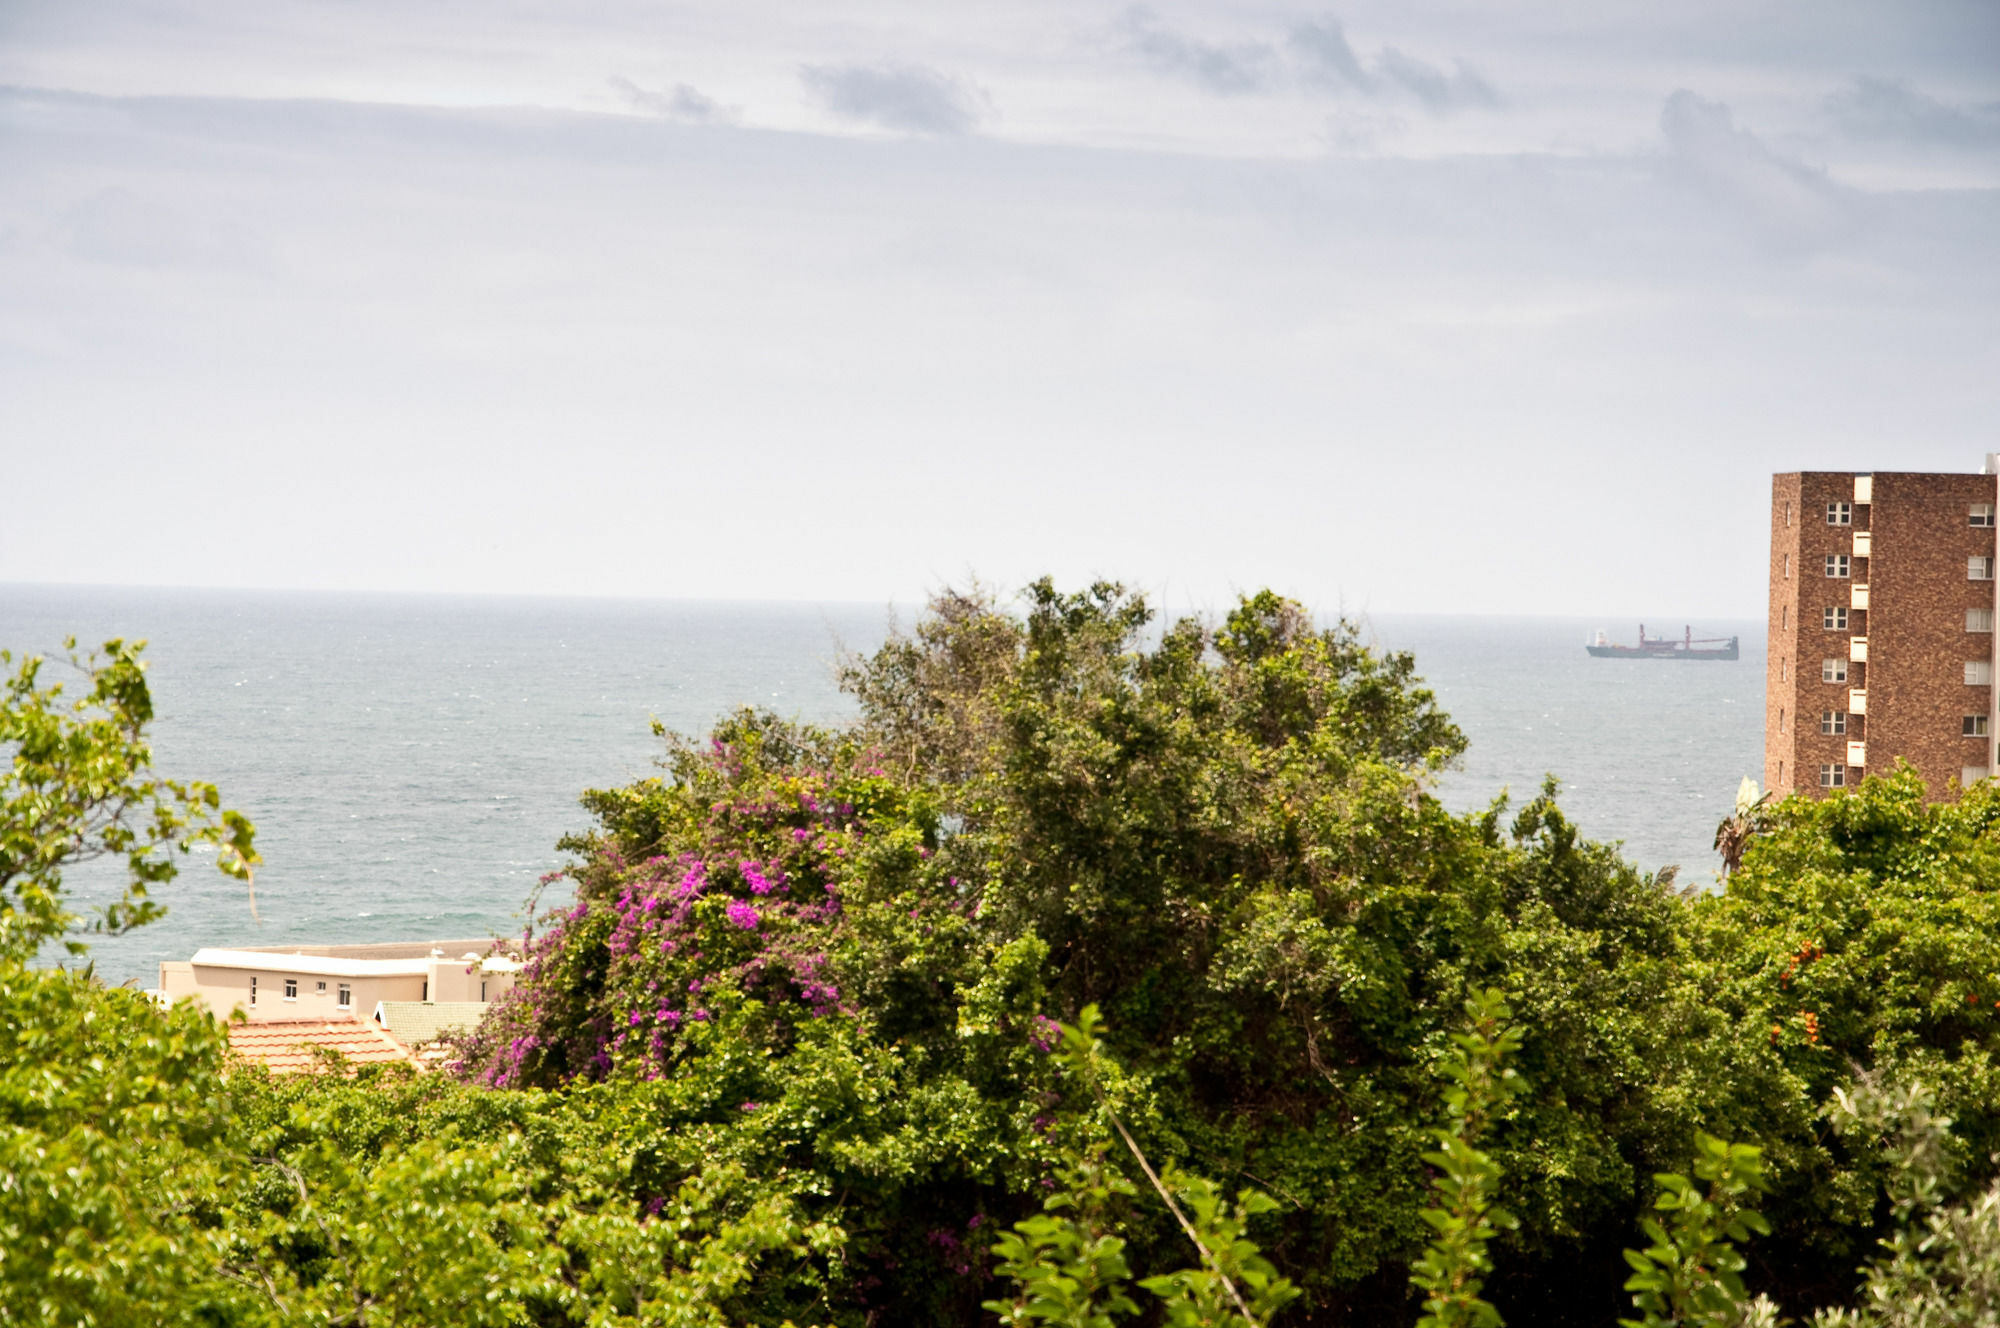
1410 307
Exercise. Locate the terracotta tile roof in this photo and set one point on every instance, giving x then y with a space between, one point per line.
287 1046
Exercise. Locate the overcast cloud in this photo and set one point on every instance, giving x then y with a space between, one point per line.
1395 307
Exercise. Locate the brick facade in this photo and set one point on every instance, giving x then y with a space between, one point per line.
1905 540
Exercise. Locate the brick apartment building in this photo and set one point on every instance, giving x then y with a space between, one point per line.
1882 612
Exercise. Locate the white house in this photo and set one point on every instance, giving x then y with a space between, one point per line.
329 981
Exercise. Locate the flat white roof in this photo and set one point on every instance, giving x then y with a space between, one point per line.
323 966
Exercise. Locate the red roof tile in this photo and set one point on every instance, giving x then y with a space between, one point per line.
287 1046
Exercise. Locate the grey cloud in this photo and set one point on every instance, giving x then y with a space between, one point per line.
1432 86
1316 54
1247 67
910 98
1891 109
1325 57
1785 200
685 102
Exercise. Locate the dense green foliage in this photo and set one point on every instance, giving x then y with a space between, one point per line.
984 1006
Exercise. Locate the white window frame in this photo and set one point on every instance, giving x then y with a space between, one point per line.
1980 515
1833 670
1833 618
1838 565
253 989
1833 722
291 989
1840 514
1833 776
344 996
1974 726
1979 567
1979 620
1978 673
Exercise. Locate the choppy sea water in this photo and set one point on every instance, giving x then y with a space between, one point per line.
410 761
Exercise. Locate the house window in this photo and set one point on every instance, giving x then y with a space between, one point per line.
1974 726
253 988
1833 670
1785 616
1836 564
1979 567
1979 620
291 989
1978 672
482 991
345 997
1834 620
1982 514
319 988
1833 721
1833 776
1839 514
1781 719
1784 669
1788 567
1788 514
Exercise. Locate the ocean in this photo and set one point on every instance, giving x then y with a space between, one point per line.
411 761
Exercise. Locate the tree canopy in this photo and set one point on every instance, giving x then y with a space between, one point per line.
1103 967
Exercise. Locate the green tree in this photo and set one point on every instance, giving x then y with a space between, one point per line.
110 1110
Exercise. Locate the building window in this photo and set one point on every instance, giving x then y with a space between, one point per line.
1833 776
1839 514
1979 567
1982 514
1834 620
1833 670
1781 719
1788 567
1979 620
319 988
253 989
345 997
1784 669
1836 564
1785 616
291 989
482 991
1971 775
1974 726
1788 514
1833 721
1978 672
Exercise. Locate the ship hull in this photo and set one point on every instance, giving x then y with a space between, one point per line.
1669 652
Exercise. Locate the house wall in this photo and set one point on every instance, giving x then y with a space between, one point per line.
225 989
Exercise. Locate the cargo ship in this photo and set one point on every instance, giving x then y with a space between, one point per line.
1687 646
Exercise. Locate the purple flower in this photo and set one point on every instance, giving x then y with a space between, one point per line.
743 915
